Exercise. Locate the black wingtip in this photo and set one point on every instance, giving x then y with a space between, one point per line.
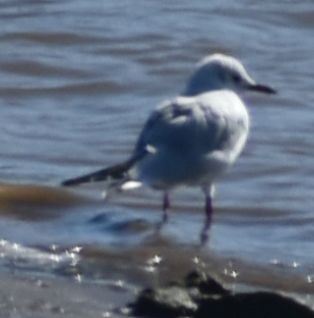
100 175
71 182
68 183
114 172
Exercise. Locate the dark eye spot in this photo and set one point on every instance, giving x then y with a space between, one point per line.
236 78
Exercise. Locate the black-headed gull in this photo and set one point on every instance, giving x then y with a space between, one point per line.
192 139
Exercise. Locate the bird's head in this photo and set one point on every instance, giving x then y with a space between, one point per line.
220 71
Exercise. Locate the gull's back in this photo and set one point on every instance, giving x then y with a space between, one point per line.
195 138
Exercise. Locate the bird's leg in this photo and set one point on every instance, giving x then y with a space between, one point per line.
165 207
208 214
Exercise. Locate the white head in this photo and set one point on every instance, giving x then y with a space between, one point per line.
220 71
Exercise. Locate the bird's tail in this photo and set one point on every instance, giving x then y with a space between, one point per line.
113 172
117 172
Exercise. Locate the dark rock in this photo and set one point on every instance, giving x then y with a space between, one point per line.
203 297
249 305
165 302
204 283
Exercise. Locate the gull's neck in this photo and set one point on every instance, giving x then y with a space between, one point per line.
199 84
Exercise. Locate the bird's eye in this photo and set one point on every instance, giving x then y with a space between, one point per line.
236 78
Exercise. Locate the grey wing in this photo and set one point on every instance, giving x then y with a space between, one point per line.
184 127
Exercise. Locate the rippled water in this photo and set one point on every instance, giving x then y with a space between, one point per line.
78 79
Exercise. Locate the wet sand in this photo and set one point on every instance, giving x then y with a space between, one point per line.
33 202
28 296
109 281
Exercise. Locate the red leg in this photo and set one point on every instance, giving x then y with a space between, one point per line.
208 215
165 207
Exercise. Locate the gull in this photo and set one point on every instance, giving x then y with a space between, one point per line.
192 139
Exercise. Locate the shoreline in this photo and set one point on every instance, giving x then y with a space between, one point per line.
30 295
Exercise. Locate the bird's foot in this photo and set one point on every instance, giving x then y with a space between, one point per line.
163 221
204 236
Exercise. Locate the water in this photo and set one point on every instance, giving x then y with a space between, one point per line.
77 81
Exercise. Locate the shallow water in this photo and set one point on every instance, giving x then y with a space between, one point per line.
78 79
